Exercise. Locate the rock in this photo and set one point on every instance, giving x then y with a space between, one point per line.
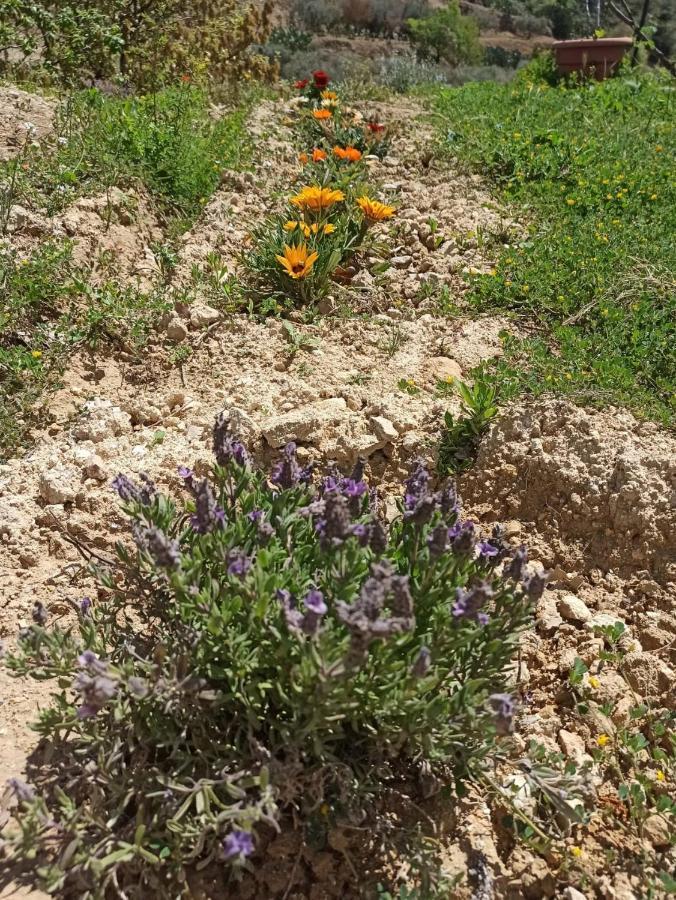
598 721
101 420
365 445
571 893
59 484
27 222
649 675
656 830
94 468
401 262
573 746
573 609
603 619
443 368
176 330
144 413
301 424
622 711
202 315
384 429
548 618
243 426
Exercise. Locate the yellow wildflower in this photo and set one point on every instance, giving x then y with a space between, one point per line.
297 261
594 682
602 740
317 199
36 354
374 211
659 775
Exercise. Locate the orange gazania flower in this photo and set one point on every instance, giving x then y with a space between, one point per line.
297 261
351 154
329 95
302 158
322 113
375 211
317 199
318 155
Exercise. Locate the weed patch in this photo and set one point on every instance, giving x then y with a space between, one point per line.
591 168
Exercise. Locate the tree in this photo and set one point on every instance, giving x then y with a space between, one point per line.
446 35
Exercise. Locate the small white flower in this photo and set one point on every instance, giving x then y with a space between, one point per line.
30 128
62 141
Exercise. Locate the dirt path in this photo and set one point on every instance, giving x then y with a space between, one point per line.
586 490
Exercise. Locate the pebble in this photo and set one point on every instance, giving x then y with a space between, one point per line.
656 830
401 262
573 609
202 315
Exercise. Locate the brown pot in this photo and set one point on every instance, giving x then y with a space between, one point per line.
594 56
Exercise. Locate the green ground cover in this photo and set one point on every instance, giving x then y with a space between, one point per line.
591 170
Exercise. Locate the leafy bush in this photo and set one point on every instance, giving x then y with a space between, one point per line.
460 438
146 43
266 645
446 35
401 73
498 56
316 15
592 167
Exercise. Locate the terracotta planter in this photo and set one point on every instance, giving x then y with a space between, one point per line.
596 56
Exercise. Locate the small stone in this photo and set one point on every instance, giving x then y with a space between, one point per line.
299 424
649 675
656 830
101 420
401 262
443 368
59 485
384 429
571 893
144 413
94 468
548 618
176 330
573 746
573 609
202 315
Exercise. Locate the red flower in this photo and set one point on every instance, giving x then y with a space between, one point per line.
321 78
375 127
302 84
185 79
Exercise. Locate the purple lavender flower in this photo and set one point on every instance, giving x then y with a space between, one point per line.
535 584
504 709
437 540
238 843
487 550
287 473
462 537
423 662
468 603
22 791
132 493
335 525
238 563
138 687
516 567
416 485
256 515
448 500
95 691
265 533
208 514
314 600
89 660
315 608
226 447
185 473
164 551
362 533
293 616
378 538
85 606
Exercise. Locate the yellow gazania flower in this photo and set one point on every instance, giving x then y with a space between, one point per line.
322 113
329 228
318 155
375 211
303 158
351 154
291 225
329 95
297 261
317 199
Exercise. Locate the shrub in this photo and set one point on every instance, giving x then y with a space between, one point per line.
146 43
266 644
446 35
499 56
316 15
401 73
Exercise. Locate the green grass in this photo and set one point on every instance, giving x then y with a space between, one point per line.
170 143
592 169
49 308
168 140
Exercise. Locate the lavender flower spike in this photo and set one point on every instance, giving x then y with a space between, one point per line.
238 843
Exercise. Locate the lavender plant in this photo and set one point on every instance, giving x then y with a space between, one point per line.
265 644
